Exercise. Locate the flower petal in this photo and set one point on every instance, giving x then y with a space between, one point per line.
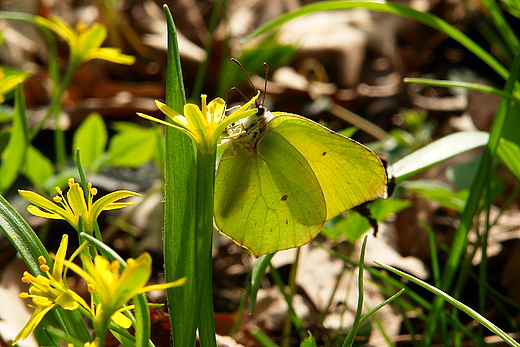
57 269
121 320
149 288
112 54
217 107
76 199
167 110
59 27
67 301
198 121
40 201
39 213
240 113
133 278
117 205
31 324
92 38
107 203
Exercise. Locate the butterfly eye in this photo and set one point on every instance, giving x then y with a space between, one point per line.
261 110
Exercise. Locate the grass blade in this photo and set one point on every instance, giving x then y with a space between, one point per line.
474 314
437 151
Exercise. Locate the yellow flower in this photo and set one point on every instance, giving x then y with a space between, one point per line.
85 43
48 291
113 289
7 83
75 207
94 343
204 125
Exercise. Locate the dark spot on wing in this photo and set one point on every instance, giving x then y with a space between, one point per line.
323 154
284 198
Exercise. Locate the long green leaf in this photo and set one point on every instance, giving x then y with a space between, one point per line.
436 152
179 213
509 153
349 340
472 313
37 167
459 84
256 278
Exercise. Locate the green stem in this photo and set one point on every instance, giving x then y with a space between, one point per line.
55 110
204 231
290 296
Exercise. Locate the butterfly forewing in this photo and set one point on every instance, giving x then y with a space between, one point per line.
349 173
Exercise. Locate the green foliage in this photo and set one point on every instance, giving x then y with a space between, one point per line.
437 152
440 192
90 139
309 342
512 6
37 168
351 227
509 153
132 146
13 156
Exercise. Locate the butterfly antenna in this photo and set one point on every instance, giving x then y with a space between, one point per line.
244 71
235 89
266 76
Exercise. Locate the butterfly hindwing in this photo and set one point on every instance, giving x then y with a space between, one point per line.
268 200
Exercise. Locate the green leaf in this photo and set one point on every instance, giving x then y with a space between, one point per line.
256 277
132 146
353 226
381 209
91 139
5 135
436 152
512 6
14 155
309 342
179 209
509 153
440 192
37 168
